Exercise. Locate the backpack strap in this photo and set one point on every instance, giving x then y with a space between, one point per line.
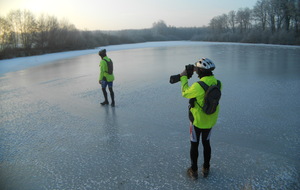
219 84
106 64
106 60
203 85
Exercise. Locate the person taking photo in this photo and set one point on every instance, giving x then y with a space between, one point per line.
202 118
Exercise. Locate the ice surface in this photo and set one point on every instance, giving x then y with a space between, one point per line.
55 135
16 64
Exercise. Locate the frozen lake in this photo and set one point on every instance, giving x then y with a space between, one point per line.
55 135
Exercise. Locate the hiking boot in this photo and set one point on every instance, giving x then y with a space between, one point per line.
205 172
104 103
192 174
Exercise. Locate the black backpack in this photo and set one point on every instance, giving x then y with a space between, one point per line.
211 97
109 66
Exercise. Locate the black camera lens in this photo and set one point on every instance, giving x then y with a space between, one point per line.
174 78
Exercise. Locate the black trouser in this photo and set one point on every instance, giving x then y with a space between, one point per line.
206 147
112 95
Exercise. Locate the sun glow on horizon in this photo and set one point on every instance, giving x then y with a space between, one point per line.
129 14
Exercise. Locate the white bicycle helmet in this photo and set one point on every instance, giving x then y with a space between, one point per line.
205 63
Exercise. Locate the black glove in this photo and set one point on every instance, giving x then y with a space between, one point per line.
189 70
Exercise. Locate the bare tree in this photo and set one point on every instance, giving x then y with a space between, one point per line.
42 32
28 29
5 34
287 7
52 32
243 18
219 23
159 28
260 13
67 35
14 25
22 25
231 20
296 16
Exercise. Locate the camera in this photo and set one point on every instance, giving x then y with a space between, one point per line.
189 70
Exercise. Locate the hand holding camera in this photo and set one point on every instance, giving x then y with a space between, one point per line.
204 66
189 71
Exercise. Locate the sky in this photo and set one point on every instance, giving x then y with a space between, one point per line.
128 14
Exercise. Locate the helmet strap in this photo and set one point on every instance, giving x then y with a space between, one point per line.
204 73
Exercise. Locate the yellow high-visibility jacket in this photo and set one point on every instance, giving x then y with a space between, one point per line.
104 70
201 120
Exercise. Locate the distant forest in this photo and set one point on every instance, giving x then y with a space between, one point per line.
269 22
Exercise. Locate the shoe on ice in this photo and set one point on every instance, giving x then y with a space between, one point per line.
205 172
104 103
113 104
192 174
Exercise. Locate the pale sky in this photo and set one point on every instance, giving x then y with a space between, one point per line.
128 14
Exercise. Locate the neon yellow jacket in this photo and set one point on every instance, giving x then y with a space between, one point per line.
104 70
201 120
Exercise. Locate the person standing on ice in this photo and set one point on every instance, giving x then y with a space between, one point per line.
201 122
105 78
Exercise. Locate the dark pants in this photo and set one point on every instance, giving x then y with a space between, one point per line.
195 137
110 85
112 95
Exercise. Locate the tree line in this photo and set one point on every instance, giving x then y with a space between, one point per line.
23 34
269 21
